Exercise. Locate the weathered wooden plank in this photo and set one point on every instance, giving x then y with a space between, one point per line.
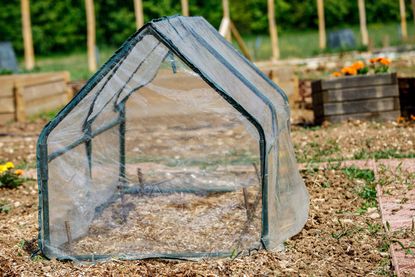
374 116
6 104
356 81
39 80
44 90
29 75
359 93
39 105
6 117
361 106
34 78
6 88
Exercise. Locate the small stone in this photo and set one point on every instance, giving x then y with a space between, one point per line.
372 210
229 133
374 215
384 254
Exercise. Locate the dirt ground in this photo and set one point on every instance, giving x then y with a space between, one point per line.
357 140
336 241
343 235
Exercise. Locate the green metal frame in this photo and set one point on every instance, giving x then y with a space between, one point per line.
43 157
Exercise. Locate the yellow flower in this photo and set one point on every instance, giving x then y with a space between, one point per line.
3 168
336 74
18 172
9 165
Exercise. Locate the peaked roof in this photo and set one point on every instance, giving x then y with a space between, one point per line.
204 50
185 33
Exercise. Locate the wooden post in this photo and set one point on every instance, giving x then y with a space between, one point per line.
403 20
226 20
138 10
20 111
246 201
321 24
185 7
90 19
68 233
273 31
240 41
69 90
29 57
224 28
363 26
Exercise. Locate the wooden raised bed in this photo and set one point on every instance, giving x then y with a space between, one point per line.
367 97
23 95
407 96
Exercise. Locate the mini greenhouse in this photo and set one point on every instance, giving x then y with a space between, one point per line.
178 147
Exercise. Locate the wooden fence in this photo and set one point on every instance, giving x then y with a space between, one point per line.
25 95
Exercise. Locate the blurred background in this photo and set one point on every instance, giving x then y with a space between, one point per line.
59 27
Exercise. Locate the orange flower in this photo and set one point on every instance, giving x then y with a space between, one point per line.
336 74
358 65
18 172
352 71
375 60
384 61
349 70
412 117
400 119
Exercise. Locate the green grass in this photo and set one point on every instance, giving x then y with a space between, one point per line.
356 173
46 116
75 63
391 153
305 43
5 207
368 191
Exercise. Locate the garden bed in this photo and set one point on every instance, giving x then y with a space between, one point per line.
368 97
25 95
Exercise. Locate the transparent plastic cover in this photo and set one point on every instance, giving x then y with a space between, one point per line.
178 148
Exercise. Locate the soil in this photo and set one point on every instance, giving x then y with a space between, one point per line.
354 140
174 223
338 239
18 142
